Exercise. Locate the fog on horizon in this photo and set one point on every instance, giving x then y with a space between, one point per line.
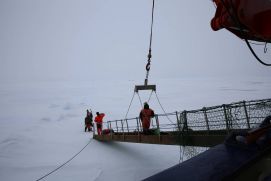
93 40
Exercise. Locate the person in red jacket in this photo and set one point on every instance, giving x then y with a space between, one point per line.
145 116
99 122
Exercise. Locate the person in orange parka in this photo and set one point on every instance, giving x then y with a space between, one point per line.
99 122
145 116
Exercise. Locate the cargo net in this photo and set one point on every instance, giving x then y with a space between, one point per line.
239 115
234 116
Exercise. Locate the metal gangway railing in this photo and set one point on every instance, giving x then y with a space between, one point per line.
220 119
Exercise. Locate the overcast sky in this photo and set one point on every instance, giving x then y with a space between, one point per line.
104 39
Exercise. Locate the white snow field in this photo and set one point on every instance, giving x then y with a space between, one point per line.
42 125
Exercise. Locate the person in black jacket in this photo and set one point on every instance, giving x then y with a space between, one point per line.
88 121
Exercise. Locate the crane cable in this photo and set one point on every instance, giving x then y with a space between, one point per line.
130 105
148 65
236 20
139 101
163 109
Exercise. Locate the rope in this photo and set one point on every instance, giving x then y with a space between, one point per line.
163 108
235 19
129 105
259 44
255 55
150 97
140 100
65 162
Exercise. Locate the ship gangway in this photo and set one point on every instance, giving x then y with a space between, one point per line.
204 127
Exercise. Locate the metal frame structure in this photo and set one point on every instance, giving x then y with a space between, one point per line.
203 127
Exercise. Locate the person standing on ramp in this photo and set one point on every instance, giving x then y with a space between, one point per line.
145 116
